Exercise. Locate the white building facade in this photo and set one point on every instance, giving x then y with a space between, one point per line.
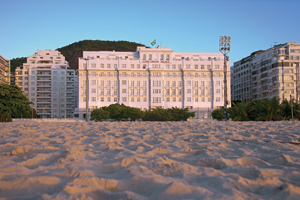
268 73
48 82
150 78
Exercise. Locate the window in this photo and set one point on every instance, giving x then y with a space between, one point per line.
102 65
138 92
168 57
173 83
115 99
108 83
217 82
150 57
108 65
108 99
32 94
196 99
173 66
217 66
208 67
94 98
115 92
124 99
138 99
167 83
173 91
93 65
115 83
218 91
93 74
202 66
167 66
138 66
217 74
102 99
102 83
174 99
202 99
144 91
209 99
84 98
196 66
108 92
144 57
189 99
32 72
132 99
132 92
144 83
62 73
132 66
132 83
145 99
218 99
93 90
138 74
188 74
188 91
138 83
123 82
156 99
102 92
188 66
93 82
156 83
123 91
32 83
196 83
188 83
123 65
115 66
124 74
167 91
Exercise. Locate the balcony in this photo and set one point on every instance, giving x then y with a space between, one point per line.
44 79
43 85
43 90
44 96
44 74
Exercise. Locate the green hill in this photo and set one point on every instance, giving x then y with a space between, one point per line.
75 50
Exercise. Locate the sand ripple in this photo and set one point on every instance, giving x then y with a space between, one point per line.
150 160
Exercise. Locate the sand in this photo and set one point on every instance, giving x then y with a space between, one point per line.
150 160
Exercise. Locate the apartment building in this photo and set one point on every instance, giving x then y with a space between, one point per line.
48 82
150 78
4 70
267 73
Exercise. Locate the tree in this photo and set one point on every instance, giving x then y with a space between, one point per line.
99 114
13 101
218 114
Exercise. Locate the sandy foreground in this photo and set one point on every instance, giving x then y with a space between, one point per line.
150 160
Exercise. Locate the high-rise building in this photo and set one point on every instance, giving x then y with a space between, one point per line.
48 82
267 73
4 70
150 78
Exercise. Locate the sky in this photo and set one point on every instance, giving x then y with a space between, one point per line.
182 25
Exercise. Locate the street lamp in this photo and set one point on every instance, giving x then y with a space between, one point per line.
224 47
86 90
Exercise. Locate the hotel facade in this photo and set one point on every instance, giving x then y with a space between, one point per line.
267 73
48 82
4 70
151 78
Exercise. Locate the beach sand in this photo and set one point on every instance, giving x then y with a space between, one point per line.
150 160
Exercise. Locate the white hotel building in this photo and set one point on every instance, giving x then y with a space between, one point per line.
48 82
152 77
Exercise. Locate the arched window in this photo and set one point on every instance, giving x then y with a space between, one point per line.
150 57
144 57
168 57
162 57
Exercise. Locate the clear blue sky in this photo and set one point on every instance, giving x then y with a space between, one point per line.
184 26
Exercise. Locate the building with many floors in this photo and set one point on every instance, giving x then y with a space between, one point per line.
48 82
4 70
150 78
267 73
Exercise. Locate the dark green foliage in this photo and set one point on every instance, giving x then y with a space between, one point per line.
218 114
99 115
97 45
263 110
17 62
13 101
170 114
75 50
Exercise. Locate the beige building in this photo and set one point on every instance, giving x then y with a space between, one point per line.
265 74
4 70
48 82
151 77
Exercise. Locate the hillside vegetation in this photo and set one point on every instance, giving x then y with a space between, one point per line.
75 50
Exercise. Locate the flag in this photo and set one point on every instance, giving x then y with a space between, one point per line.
154 42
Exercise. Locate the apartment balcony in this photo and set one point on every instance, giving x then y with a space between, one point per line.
70 91
44 74
70 85
43 101
43 85
43 79
43 96
70 80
